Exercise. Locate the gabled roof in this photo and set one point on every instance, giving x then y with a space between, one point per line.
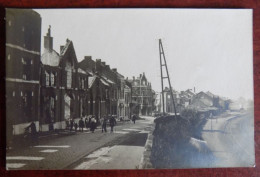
91 81
68 49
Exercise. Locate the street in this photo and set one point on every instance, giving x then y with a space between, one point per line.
231 140
226 141
121 149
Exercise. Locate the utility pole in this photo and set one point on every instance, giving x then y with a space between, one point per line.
164 64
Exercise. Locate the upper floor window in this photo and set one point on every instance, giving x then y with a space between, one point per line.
24 76
52 79
23 61
47 78
82 83
69 79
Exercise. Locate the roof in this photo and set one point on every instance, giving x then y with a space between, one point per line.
68 42
91 81
81 71
104 82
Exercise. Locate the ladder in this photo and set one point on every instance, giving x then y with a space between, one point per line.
164 64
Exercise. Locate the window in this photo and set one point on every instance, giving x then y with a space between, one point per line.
82 84
9 22
23 29
13 93
69 79
24 99
9 57
52 79
24 76
47 78
31 62
23 61
52 105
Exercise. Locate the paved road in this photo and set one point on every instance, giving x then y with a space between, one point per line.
86 150
226 141
231 140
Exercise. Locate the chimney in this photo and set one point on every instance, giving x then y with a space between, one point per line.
103 63
114 69
48 40
133 77
87 57
61 48
194 90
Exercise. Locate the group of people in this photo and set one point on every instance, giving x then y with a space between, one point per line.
91 123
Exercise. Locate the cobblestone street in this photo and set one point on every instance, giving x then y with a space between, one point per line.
68 151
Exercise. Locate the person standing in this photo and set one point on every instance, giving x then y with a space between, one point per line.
134 118
93 124
33 135
112 122
104 124
71 124
81 125
76 126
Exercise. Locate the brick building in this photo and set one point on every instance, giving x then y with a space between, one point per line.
23 48
63 86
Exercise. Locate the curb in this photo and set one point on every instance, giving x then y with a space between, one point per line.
145 162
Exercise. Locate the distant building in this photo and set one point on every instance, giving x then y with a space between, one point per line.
142 96
23 47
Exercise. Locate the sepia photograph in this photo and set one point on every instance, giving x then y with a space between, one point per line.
146 88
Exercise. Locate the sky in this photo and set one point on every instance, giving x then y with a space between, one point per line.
209 49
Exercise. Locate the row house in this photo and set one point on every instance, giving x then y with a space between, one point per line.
142 96
103 87
124 97
23 48
63 91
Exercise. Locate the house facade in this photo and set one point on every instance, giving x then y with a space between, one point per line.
63 92
23 53
142 95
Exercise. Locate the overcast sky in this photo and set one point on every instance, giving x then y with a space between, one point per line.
208 49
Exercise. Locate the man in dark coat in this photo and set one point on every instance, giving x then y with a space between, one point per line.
81 125
112 122
34 135
134 118
71 124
